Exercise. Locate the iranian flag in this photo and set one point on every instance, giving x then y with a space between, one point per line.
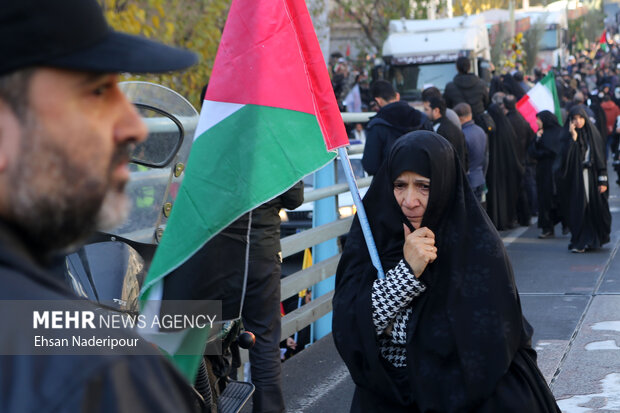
269 118
543 96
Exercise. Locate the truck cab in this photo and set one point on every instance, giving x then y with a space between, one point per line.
423 53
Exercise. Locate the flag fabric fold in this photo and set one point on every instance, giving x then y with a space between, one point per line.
543 96
269 118
603 42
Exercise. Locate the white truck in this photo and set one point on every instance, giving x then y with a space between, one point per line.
422 53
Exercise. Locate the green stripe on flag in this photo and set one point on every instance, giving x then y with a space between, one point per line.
549 82
235 166
246 159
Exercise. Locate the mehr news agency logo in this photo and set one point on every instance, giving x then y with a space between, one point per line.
81 322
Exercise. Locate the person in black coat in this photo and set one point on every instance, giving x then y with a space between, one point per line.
467 87
444 330
394 119
546 149
583 184
261 309
435 109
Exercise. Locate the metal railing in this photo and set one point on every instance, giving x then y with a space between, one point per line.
306 278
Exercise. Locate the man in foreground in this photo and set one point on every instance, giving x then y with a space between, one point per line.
66 135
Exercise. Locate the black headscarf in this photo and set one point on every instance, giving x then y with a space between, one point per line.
497 85
589 135
512 87
467 327
552 137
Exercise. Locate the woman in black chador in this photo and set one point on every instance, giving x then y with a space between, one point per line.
444 331
547 150
504 173
583 184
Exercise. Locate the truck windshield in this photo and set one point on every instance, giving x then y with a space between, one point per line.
410 80
549 40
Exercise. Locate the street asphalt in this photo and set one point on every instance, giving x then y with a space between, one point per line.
571 300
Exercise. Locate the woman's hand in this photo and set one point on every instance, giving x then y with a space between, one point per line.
419 249
602 188
573 132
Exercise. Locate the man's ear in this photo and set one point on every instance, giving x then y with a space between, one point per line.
9 125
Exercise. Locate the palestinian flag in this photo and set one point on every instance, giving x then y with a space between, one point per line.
603 42
269 118
543 96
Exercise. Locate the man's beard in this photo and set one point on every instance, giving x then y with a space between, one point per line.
57 201
114 210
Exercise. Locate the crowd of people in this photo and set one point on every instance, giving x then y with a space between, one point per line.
444 329
518 171
439 173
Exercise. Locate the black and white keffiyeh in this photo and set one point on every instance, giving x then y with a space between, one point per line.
391 310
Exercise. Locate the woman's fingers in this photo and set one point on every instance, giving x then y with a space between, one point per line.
424 232
419 249
407 230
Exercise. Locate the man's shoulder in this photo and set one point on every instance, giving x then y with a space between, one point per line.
377 121
19 284
471 129
64 382
50 379
380 127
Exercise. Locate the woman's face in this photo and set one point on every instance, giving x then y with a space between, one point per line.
411 191
578 121
539 123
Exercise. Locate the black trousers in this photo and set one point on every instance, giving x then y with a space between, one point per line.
261 316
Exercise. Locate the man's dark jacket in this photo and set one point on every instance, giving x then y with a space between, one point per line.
467 88
391 122
455 136
265 232
75 383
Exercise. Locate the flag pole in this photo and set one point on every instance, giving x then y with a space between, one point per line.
361 212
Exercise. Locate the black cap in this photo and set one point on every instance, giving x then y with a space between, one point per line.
73 34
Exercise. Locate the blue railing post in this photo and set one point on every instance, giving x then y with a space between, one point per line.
324 213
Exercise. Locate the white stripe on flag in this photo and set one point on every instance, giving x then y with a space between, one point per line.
541 98
213 113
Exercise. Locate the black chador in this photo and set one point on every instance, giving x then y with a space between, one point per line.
584 171
504 174
467 346
547 150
